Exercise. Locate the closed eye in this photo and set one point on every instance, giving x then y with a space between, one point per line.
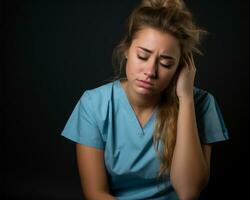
142 58
145 58
166 66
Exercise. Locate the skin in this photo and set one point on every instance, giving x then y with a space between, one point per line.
92 173
154 57
190 167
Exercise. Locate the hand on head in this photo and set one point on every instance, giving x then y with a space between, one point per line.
185 81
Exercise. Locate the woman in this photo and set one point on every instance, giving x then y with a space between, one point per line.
148 134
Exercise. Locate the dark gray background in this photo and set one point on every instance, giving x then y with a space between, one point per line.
54 50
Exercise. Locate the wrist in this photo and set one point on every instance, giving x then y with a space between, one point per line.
186 99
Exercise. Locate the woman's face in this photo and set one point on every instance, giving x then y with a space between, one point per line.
152 60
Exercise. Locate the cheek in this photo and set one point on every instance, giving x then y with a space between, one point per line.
133 67
166 74
165 77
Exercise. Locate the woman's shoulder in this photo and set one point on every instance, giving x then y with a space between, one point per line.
98 101
99 94
202 96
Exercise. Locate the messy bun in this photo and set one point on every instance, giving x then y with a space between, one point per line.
163 3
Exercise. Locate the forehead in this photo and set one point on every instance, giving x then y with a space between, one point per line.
156 40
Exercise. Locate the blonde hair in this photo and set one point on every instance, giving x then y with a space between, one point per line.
173 17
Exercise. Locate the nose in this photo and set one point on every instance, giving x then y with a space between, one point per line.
151 69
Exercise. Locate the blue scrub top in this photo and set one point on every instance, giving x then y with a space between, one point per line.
103 118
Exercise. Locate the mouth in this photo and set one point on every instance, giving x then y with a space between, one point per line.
144 84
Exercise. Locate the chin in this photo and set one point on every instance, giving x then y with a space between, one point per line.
145 92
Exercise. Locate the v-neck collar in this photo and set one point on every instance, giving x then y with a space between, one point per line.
129 108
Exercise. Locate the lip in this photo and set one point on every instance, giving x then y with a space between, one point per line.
144 84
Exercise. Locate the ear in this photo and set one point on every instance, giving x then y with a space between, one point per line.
126 54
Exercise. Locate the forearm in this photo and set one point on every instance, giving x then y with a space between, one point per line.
189 171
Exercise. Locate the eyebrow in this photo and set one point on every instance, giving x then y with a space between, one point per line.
162 56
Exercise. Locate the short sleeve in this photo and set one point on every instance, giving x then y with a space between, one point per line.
210 123
82 126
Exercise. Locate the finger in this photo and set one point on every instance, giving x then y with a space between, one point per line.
189 61
192 60
186 65
185 61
